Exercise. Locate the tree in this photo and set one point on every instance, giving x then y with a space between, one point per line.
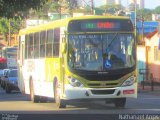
4 27
72 4
157 10
18 8
58 6
145 13
112 9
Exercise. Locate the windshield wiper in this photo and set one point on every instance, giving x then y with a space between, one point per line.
112 40
107 49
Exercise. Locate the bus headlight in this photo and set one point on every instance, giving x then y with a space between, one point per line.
129 81
74 82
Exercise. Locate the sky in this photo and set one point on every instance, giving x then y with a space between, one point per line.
150 4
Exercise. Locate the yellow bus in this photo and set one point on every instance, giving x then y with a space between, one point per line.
74 59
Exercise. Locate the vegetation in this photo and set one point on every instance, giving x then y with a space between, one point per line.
145 13
9 25
18 8
157 10
13 11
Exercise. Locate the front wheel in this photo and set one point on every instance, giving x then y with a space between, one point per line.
59 102
120 102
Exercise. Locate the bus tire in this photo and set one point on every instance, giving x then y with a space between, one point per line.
59 102
33 98
43 99
120 102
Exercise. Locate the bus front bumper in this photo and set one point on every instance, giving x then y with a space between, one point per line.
99 93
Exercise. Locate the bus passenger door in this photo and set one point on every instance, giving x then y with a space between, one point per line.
63 62
21 64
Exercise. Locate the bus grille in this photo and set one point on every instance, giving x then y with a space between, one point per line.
102 86
99 92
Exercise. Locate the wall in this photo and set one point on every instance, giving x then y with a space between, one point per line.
153 65
141 61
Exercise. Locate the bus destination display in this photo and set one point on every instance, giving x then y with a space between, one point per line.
100 25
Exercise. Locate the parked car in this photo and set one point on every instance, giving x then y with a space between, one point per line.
1 74
3 65
11 82
4 73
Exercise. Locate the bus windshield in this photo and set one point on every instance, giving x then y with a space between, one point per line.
101 52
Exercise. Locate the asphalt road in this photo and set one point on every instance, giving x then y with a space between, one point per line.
16 103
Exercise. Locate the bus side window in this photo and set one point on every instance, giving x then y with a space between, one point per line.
42 43
42 51
49 50
56 42
26 44
49 43
30 45
36 45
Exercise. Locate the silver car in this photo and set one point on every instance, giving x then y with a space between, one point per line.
11 81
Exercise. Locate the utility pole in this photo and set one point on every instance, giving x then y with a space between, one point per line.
135 15
60 11
9 27
92 7
142 20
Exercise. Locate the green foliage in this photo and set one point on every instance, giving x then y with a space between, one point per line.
157 10
59 6
72 4
145 13
18 8
6 23
4 27
15 26
111 9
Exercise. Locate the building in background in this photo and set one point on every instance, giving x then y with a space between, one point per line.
113 2
83 3
118 2
152 45
156 17
110 2
140 3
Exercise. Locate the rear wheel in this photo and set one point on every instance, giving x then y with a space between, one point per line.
120 102
43 99
33 97
59 102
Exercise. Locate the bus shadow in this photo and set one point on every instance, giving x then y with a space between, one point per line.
94 105
13 96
